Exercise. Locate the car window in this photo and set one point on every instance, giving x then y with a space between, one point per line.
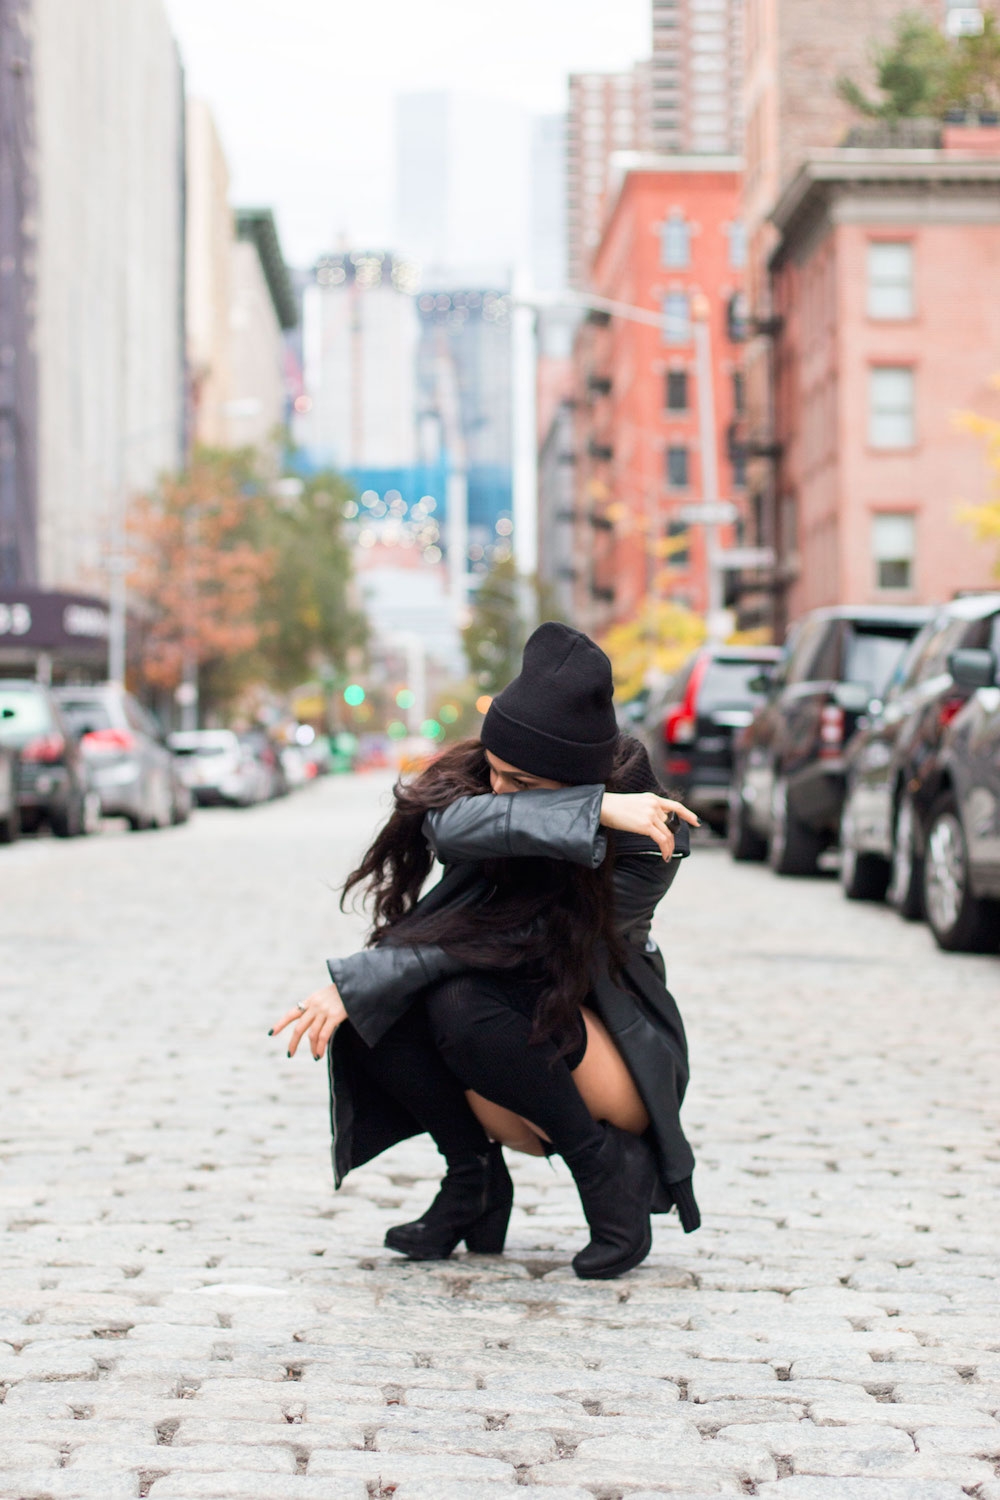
135 716
85 714
23 712
726 684
995 635
872 656
804 650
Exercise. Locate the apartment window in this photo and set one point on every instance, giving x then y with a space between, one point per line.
675 242
894 545
739 393
676 318
677 390
737 245
890 280
677 467
891 407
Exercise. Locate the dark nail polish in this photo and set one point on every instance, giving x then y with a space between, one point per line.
288 1054
271 1032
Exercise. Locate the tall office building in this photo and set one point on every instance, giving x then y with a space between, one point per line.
360 332
607 112
462 183
697 75
548 202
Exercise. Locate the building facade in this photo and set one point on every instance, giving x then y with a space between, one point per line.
887 329
109 331
697 76
672 246
793 56
262 309
18 367
209 276
608 112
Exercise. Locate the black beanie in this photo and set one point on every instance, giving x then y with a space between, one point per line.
556 719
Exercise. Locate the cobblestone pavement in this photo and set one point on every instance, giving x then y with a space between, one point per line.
187 1310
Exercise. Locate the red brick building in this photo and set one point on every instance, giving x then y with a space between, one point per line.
673 235
885 285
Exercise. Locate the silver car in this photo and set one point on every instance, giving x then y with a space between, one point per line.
126 752
217 768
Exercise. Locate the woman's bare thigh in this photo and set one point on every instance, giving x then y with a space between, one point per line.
604 1082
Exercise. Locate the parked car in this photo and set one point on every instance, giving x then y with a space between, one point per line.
788 777
894 762
267 753
216 767
10 819
961 866
688 726
53 782
131 764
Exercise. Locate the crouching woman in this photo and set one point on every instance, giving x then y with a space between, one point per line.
521 1001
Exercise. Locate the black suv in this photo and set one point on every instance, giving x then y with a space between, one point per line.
788 777
894 761
688 727
962 843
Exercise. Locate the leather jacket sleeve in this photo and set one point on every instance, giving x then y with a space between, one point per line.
377 985
563 824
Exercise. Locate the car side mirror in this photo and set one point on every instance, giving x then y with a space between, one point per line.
973 668
761 682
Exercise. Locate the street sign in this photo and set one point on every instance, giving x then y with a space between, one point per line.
745 557
721 514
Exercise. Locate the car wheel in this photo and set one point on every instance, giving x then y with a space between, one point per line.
743 842
10 826
161 808
794 849
863 877
68 823
92 812
904 892
959 921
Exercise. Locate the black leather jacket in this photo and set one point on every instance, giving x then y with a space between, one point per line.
378 984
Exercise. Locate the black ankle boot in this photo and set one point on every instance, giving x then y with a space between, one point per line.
615 1183
473 1205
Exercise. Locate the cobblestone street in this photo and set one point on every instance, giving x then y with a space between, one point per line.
189 1312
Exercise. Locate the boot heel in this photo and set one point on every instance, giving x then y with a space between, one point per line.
487 1235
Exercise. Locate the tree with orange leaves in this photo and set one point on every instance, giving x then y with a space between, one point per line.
198 574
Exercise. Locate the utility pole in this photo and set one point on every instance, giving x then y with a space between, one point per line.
708 446
524 437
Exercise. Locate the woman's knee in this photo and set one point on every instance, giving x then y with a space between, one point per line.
464 1015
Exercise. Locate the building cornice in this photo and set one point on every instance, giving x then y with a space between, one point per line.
824 172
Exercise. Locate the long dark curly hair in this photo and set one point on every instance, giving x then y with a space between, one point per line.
547 914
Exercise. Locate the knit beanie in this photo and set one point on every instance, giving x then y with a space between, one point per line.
556 718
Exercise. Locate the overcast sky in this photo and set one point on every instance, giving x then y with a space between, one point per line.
302 90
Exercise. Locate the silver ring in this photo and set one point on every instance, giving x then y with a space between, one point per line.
301 1005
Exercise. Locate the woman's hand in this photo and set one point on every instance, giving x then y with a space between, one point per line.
320 1016
644 812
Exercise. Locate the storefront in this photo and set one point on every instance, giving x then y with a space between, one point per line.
53 637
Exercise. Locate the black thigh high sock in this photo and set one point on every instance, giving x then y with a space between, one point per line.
406 1063
486 1043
